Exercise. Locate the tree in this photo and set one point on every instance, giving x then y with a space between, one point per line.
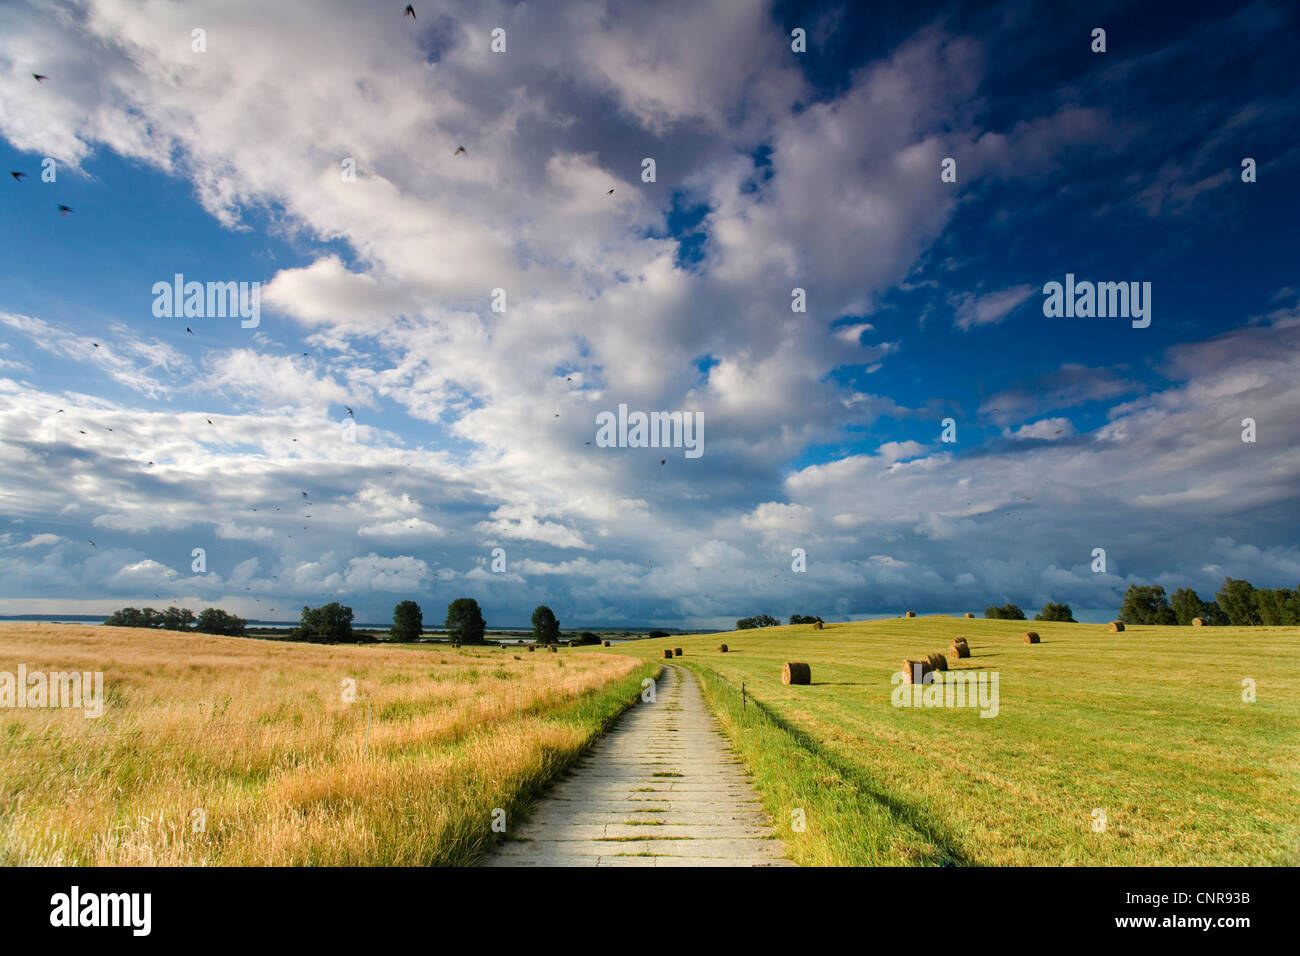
761 620
587 637
124 617
177 618
465 624
408 621
658 634
546 627
1146 604
213 620
805 619
1008 612
1213 615
1186 605
329 623
1278 606
1055 612
1239 603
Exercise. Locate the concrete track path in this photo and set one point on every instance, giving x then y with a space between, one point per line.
662 788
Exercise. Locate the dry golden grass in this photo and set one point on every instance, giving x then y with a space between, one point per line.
257 735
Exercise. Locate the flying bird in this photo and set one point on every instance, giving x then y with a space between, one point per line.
18 176
409 12
304 494
663 461
39 77
92 544
610 193
189 330
95 344
209 421
349 410
59 412
64 210
460 150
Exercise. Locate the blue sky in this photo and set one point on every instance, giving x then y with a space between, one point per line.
775 170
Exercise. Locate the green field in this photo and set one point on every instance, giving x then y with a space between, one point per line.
1147 726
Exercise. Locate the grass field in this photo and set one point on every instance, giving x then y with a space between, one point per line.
257 736
1147 726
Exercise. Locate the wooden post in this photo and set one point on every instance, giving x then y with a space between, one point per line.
744 698
368 710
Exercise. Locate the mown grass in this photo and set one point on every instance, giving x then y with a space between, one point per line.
1148 726
257 736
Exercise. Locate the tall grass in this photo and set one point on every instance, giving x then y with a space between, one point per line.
258 738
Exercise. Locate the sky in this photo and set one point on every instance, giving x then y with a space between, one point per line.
435 245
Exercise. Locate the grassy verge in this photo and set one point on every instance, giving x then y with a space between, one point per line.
846 819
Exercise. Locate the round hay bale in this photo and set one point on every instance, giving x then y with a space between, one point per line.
937 661
914 671
958 650
677 652
969 614
817 625
1198 622
959 640
1031 637
606 644
911 614
723 648
531 648
796 672
553 649
573 643
1116 626
668 653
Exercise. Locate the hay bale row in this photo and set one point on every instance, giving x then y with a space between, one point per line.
1116 626
796 672
1031 637
723 648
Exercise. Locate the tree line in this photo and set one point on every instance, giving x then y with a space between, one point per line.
211 620
1238 603
1052 611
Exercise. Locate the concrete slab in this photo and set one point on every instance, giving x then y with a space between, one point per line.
668 758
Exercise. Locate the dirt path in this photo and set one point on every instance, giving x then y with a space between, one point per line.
661 789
